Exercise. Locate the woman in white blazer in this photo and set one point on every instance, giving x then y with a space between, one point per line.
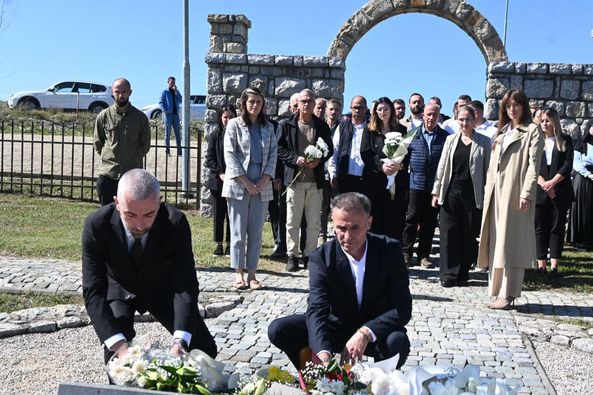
459 190
250 151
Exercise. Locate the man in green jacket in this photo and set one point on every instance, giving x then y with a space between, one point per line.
122 139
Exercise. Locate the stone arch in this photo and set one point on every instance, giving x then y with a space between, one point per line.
457 11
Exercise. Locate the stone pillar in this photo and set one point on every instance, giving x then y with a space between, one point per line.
228 33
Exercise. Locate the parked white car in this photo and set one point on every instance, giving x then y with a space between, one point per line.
67 95
197 109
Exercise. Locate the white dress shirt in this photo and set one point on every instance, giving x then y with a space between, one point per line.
355 163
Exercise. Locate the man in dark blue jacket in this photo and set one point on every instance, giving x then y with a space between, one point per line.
424 154
169 104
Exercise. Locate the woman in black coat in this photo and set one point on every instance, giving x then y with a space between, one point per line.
215 162
554 192
580 229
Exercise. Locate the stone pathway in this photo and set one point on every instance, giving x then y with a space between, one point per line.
448 326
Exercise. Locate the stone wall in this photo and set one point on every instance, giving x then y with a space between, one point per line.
568 88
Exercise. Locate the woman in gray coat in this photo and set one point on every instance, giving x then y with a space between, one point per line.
250 151
459 190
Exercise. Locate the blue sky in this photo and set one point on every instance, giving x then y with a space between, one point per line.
43 42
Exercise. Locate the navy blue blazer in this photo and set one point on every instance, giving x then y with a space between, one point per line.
386 301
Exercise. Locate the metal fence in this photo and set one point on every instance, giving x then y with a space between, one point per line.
57 160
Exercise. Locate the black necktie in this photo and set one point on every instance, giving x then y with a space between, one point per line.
137 254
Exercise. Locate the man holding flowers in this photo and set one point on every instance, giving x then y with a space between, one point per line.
359 298
304 145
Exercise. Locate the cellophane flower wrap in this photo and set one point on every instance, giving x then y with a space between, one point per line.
312 152
395 149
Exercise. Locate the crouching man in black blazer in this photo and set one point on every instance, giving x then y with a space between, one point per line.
137 256
359 298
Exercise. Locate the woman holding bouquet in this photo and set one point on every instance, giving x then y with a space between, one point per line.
390 210
250 151
507 238
459 190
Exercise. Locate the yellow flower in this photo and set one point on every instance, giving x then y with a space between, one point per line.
277 374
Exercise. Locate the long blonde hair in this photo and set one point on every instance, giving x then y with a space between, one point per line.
552 114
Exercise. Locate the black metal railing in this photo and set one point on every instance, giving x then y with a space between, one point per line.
58 160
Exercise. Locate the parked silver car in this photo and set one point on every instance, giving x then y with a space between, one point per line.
197 109
67 95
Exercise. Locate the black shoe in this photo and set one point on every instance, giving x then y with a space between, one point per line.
278 255
218 251
292 265
305 262
227 251
554 273
462 283
448 283
542 270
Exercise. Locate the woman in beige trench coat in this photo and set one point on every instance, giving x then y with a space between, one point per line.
507 239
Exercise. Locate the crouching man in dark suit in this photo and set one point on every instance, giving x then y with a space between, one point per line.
359 298
137 256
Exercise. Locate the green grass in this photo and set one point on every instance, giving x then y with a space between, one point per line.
14 302
576 273
51 228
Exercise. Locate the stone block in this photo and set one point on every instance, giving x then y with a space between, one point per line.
587 91
317 72
315 61
577 69
234 83
232 68
560 68
516 82
42 326
560 340
556 105
331 88
253 69
271 106
284 108
298 61
215 57
216 100
237 48
215 44
259 82
103 389
491 109
520 67
336 61
583 344
588 69
571 128
261 59
337 74
282 60
450 6
225 28
214 81
287 86
240 29
537 68
500 67
590 112
569 89
539 88
274 71
497 87
236 58
575 109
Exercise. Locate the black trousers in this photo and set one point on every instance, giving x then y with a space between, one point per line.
327 193
277 211
377 195
124 310
220 214
395 213
459 227
107 189
290 335
420 212
550 227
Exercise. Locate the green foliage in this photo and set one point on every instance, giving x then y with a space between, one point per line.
181 379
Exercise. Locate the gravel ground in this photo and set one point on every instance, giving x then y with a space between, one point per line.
36 364
569 370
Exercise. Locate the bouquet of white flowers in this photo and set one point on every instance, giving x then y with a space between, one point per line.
313 152
395 148
153 367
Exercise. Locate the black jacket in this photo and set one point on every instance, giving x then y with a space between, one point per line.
215 159
561 164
